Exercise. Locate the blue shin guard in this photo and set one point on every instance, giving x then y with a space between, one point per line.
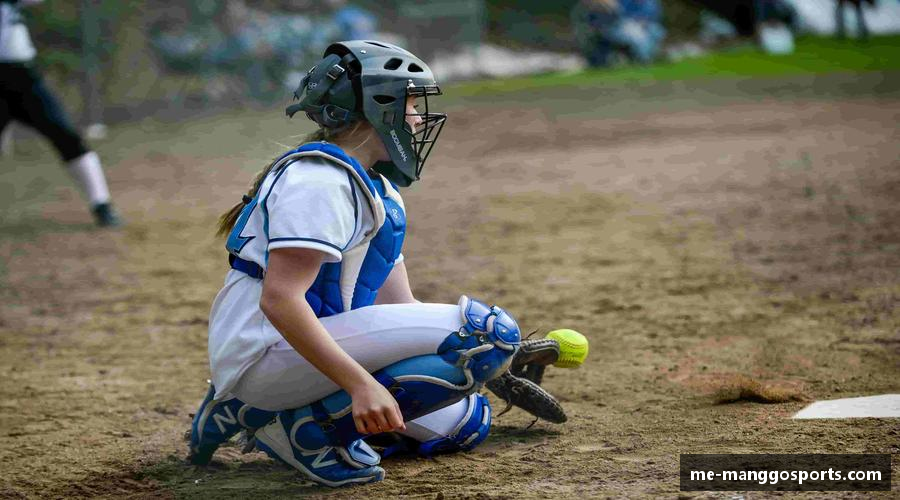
217 421
469 433
321 440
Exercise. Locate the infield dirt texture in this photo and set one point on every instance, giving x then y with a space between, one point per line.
720 242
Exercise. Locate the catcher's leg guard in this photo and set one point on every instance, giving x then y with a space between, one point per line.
321 440
485 344
217 421
471 430
442 431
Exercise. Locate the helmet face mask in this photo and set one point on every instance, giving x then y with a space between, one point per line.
428 130
379 78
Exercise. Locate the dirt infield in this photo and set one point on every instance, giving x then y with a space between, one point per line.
715 254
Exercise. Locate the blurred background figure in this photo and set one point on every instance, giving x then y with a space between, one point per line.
611 30
25 98
775 24
777 11
266 48
862 29
251 52
353 22
247 46
642 28
593 21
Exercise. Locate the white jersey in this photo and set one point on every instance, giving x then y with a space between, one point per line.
310 203
15 42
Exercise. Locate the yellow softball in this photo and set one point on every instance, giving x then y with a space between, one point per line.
573 347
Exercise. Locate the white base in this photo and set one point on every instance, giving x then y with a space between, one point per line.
884 406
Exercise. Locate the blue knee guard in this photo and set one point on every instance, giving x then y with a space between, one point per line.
486 342
217 421
471 431
321 440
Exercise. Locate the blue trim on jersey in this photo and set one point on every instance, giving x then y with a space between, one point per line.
355 210
339 249
265 199
236 242
331 150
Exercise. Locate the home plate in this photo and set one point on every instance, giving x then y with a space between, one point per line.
884 406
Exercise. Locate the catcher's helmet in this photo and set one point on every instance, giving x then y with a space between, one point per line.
371 80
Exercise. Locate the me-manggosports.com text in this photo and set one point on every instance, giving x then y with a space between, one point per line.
785 472
783 476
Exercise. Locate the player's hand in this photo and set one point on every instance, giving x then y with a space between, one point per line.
375 410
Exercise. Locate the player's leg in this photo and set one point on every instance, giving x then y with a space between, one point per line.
459 427
861 21
320 438
5 118
464 425
375 336
839 18
41 110
15 81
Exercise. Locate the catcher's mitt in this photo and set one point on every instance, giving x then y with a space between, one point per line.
520 385
533 357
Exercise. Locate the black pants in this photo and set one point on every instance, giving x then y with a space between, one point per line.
860 20
25 98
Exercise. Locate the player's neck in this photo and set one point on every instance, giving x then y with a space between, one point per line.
367 149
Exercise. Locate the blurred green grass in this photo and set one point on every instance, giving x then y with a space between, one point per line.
813 55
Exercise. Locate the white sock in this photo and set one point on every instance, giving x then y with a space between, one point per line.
89 173
437 424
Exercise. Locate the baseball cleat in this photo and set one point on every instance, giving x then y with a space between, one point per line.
296 440
106 215
218 421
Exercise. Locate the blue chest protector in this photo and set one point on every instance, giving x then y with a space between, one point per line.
371 265
324 296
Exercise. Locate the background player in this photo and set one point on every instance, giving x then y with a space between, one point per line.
324 225
24 97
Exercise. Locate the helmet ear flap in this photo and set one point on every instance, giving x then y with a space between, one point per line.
313 94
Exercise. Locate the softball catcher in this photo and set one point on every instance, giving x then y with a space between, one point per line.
316 342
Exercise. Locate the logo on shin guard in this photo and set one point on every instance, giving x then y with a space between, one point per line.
321 459
322 454
220 420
